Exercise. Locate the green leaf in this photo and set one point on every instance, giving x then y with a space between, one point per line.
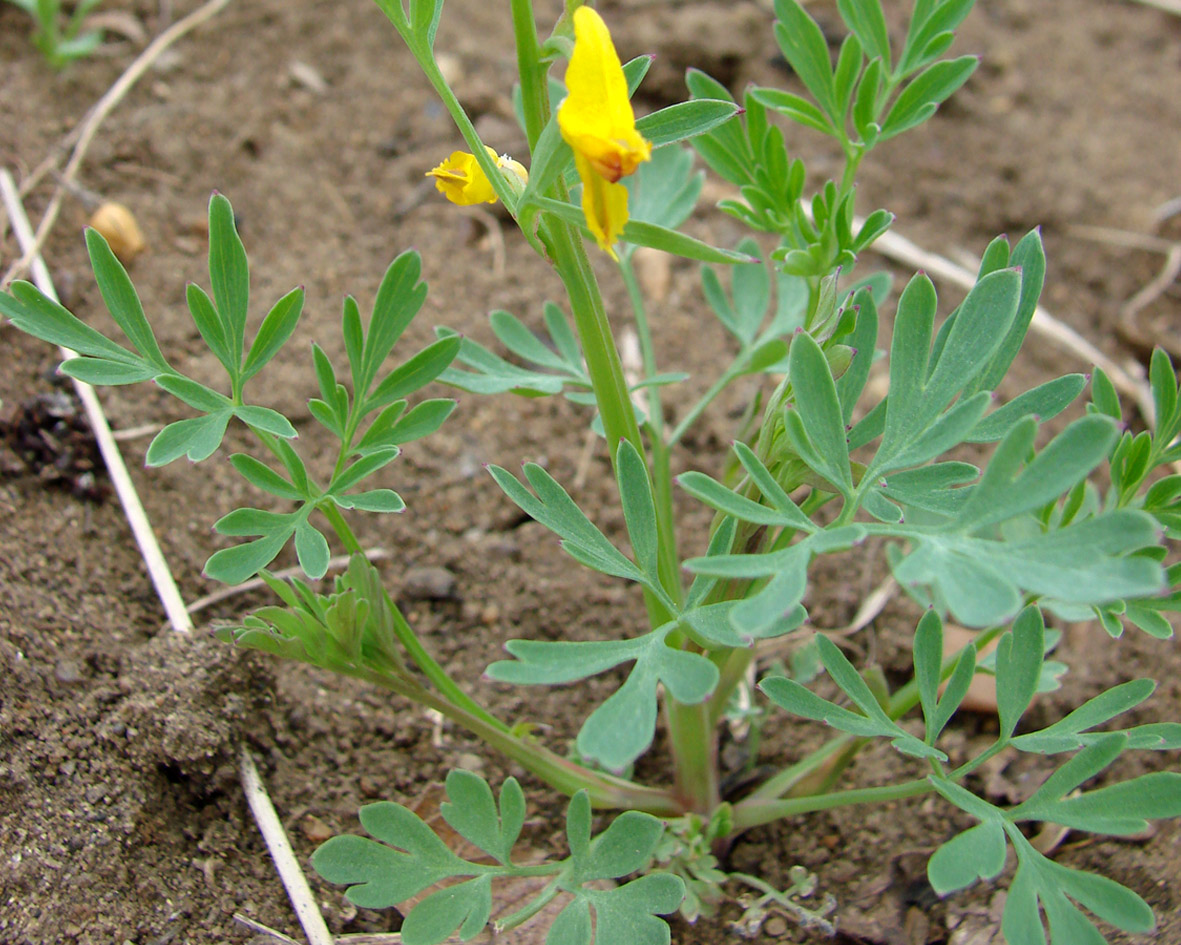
628 913
771 489
1104 397
261 476
639 508
241 562
103 373
957 689
626 846
43 318
495 375
408 860
465 906
522 342
863 340
421 420
353 335
1029 256
923 94
868 22
374 500
190 392
819 409
471 810
1042 403
796 699
229 274
311 547
1003 493
1019 655
982 580
795 107
1067 733
210 326
806 51
717 496
919 392
685 120
399 298
267 420
365 466
572 926
274 331
977 853
554 509
121 299
928 666
197 437
665 190
622 728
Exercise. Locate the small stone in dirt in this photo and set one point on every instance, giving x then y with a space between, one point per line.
775 927
315 829
429 584
368 786
469 762
67 671
96 792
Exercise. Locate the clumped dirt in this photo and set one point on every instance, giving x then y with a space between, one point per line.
121 817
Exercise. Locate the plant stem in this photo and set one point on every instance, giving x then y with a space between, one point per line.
562 774
706 399
750 813
661 474
533 72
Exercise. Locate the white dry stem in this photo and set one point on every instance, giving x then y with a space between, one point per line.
137 518
290 872
1168 6
94 118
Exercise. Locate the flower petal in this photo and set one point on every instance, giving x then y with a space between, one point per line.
596 117
604 204
462 181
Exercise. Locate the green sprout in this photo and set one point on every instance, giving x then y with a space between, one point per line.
60 36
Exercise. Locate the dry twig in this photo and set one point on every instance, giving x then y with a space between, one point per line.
1168 6
290 872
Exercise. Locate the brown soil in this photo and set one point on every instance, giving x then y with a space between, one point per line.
121 818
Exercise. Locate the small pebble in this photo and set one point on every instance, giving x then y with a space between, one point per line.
67 671
315 829
469 761
429 584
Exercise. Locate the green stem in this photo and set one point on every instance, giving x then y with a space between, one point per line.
706 399
430 68
524 915
560 773
534 73
669 561
341 527
751 813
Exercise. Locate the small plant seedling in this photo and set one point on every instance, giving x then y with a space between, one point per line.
60 36
984 515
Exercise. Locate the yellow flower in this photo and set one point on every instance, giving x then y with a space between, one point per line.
462 181
598 123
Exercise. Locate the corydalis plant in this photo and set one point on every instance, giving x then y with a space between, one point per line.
1072 525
